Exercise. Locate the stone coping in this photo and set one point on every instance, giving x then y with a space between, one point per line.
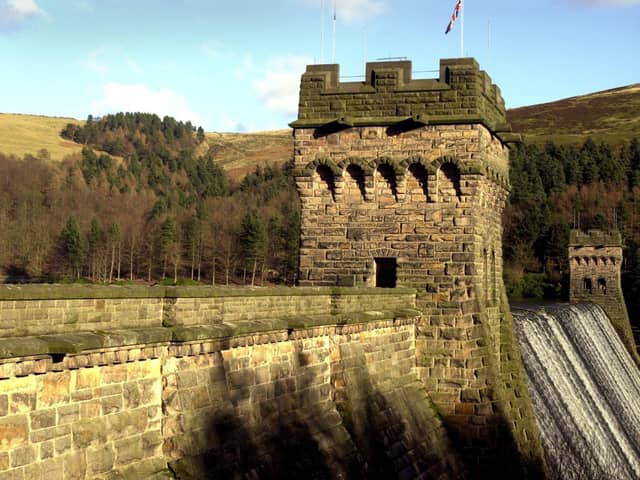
595 238
73 292
79 342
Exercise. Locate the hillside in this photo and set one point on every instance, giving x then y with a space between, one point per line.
239 153
22 134
610 116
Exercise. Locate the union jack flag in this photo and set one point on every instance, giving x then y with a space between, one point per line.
454 16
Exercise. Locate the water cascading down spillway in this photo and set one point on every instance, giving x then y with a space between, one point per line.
585 390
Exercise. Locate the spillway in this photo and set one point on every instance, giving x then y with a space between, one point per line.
585 390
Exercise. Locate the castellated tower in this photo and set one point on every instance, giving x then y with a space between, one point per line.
402 183
595 260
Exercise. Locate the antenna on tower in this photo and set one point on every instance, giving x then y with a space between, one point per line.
364 45
333 43
489 43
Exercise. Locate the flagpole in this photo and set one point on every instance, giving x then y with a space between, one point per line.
462 29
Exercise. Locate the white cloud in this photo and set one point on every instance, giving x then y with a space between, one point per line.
278 87
133 65
117 97
244 70
359 10
25 8
351 10
14 13
215 50
93 61
609 3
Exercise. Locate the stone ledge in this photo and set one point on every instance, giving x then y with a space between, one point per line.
98 292
92 342
57 344
74 292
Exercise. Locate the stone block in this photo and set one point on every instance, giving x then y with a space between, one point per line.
14 432
113 374
87 378
89 432
23 456
75 466
129 450
100 460
131 395
126 423
43 419
53 389
22 402
111 404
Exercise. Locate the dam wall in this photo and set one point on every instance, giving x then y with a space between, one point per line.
136 382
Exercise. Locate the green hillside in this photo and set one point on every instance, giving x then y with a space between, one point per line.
611 116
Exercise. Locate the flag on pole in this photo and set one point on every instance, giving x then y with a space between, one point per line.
454 16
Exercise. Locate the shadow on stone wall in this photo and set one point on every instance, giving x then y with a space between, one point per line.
367 426
493 454
295 433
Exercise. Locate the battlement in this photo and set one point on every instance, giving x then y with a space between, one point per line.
462 94
595 238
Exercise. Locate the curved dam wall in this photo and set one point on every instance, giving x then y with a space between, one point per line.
200 382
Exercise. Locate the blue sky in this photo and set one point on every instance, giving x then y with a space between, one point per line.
235 65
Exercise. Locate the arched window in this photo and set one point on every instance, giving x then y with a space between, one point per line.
386 184
602 285
417 183
354 184
587 286
449 183
324 182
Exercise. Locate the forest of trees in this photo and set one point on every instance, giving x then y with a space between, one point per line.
157 207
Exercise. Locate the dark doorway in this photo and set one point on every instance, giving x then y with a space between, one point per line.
386 272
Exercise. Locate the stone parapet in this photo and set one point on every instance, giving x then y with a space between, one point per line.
36 310
594 238
462 94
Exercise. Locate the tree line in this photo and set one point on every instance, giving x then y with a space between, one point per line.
157 207
146 201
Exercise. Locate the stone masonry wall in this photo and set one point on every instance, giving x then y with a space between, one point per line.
303 393
76 424
328 391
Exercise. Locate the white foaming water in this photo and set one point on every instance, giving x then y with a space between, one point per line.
585 389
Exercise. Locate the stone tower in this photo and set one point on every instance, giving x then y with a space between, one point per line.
402 182
595 260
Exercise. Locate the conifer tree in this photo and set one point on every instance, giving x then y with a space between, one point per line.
74 246
252 241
